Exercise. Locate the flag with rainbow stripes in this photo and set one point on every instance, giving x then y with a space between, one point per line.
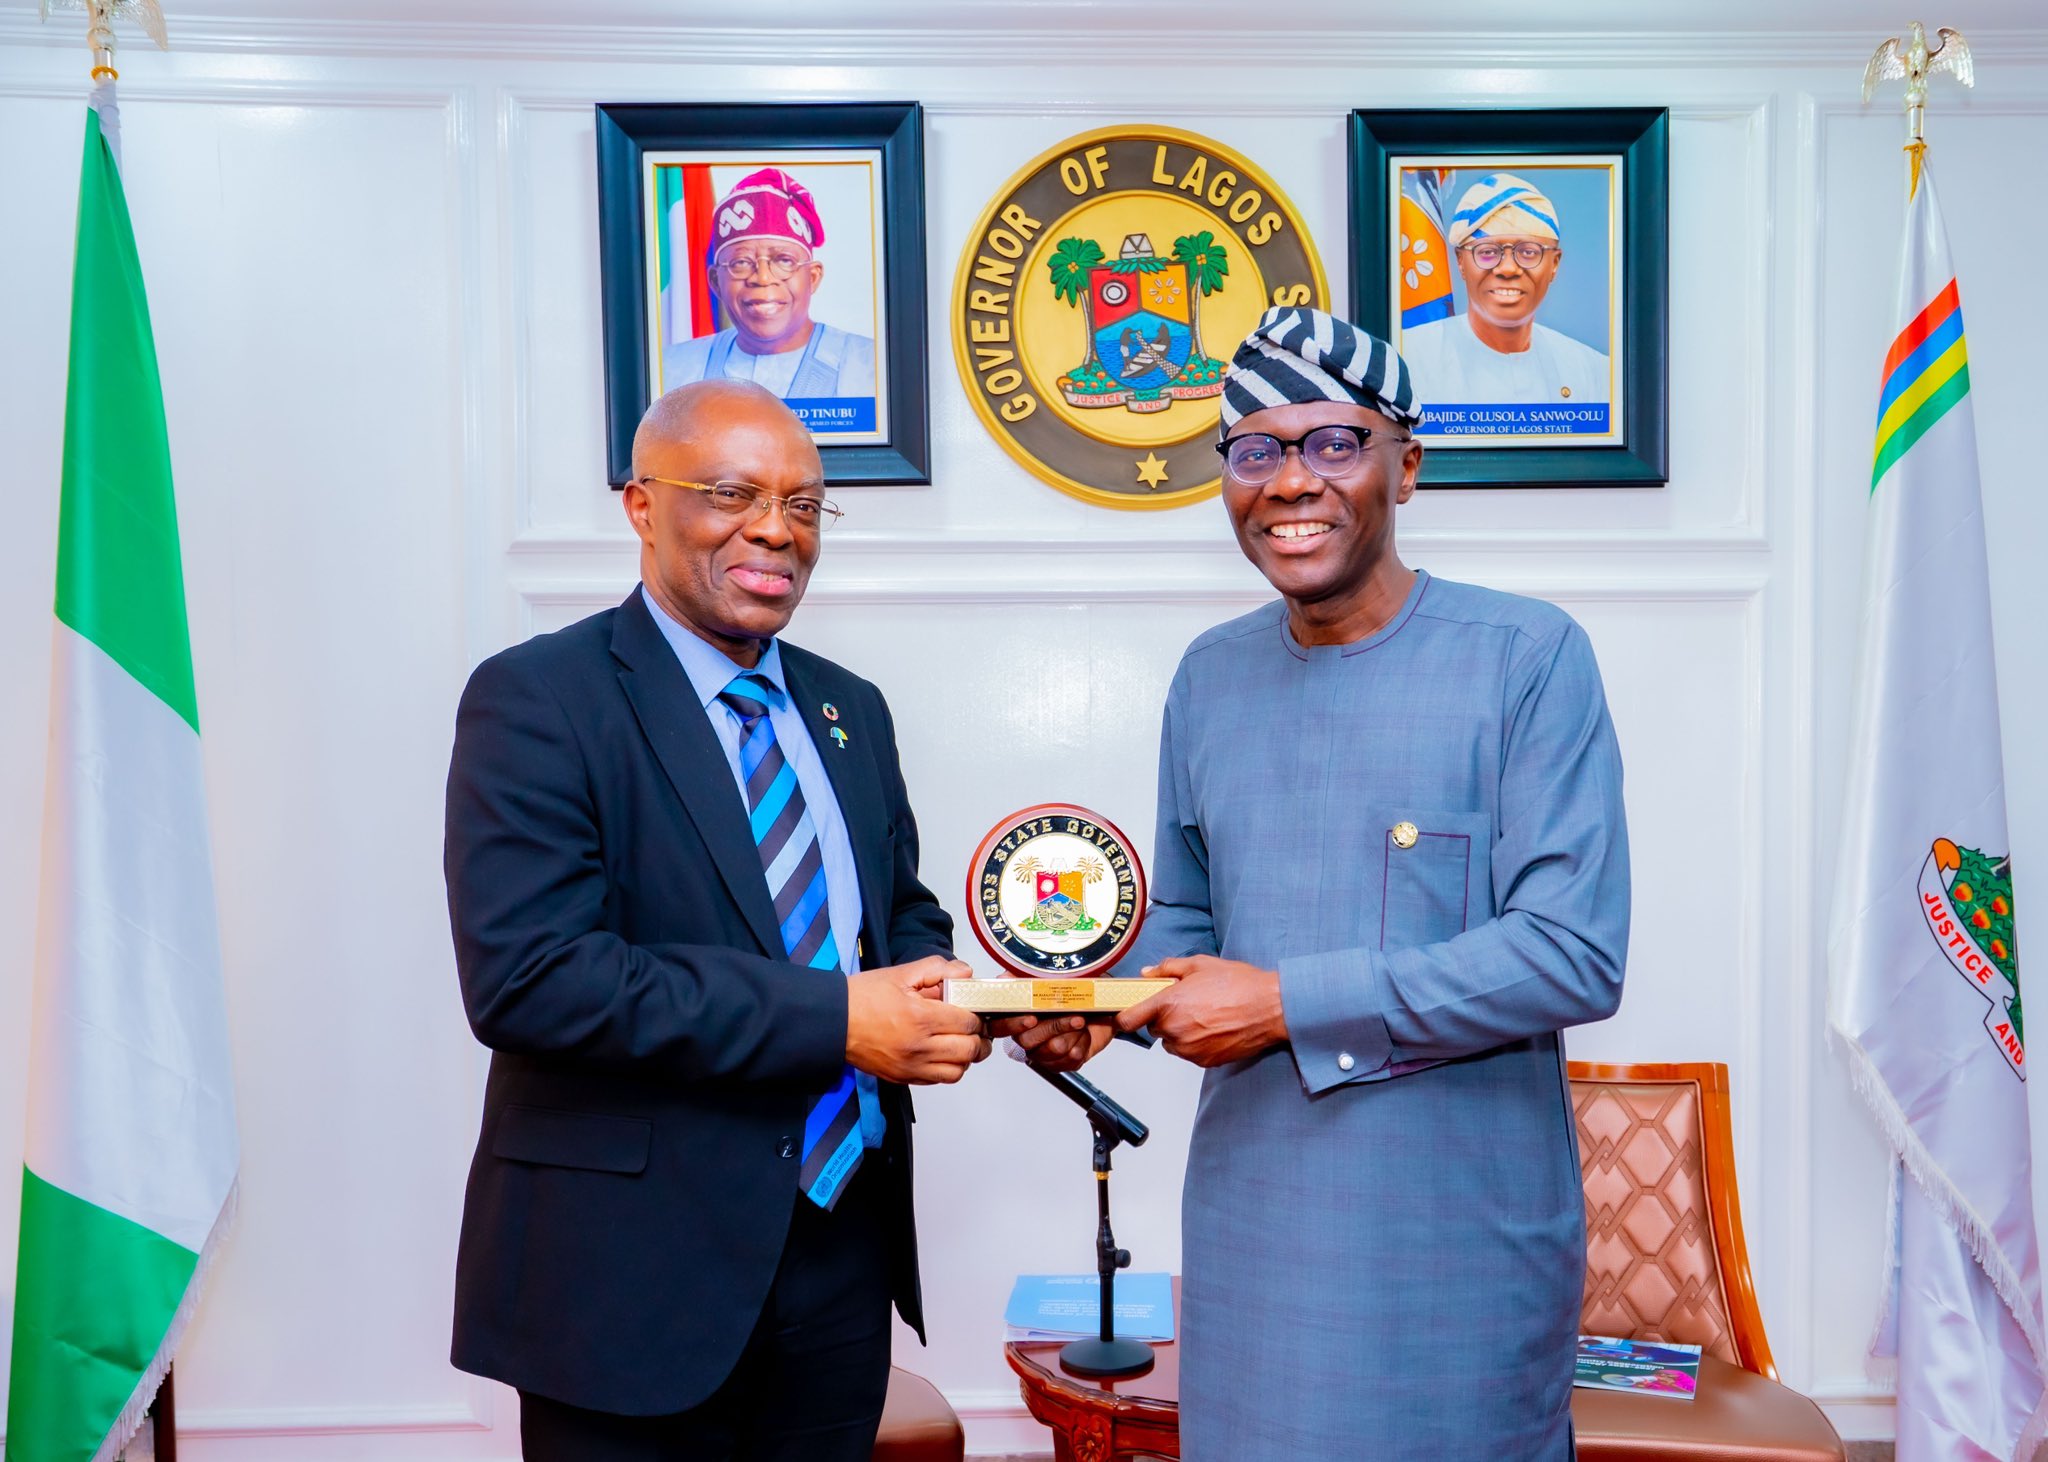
1926 372
1923 946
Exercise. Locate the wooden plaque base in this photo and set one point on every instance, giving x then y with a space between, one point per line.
1029 996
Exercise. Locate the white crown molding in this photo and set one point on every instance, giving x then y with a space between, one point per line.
595 593
239 92
2012 102
949 46
1719 107
1332 101
543 544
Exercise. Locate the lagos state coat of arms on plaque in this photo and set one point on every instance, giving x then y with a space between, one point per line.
1055 894
1100 297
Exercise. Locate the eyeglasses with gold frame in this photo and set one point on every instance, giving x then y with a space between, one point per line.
743 499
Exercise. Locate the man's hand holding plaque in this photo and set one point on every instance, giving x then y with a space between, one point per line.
1055 894
897 1030
1217 1010
1057 1043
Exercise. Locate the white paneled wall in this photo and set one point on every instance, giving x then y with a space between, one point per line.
372 261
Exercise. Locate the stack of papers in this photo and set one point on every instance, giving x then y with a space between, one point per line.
1063 1306
1652 1367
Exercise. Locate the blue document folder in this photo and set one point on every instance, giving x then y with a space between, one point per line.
1058 1306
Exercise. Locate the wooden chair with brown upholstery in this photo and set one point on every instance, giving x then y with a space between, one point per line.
917 1424
1665 1260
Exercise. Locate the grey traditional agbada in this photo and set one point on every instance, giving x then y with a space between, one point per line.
1383 1233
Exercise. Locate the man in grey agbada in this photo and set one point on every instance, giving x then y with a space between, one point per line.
1390 867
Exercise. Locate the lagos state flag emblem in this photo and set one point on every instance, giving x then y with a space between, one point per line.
1966 899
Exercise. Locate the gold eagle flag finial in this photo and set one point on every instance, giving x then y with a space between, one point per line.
1913 62
99 33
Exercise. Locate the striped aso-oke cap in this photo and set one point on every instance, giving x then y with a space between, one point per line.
1502 203
1295 355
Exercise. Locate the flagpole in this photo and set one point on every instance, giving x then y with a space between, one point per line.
1912 61
100 38
99 35
164 1414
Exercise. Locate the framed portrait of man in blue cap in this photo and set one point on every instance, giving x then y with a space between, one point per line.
1517 262
1508 300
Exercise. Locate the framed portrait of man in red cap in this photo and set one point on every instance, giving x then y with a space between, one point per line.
747 282
775 244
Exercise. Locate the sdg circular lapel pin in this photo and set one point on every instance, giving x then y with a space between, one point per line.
1100 297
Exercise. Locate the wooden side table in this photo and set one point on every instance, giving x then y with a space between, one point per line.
1097 1420
1736 1413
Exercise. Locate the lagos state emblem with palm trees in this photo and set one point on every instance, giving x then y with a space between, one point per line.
1061 893
1100 298
1055 890
1141 320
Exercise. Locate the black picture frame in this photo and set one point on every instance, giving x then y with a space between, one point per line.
1641 136
627 131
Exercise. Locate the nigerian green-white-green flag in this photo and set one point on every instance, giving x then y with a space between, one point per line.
129 1169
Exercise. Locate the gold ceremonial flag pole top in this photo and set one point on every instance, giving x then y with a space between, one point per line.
1913 62
99 33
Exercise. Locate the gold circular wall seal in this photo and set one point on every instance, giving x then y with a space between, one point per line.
1099 300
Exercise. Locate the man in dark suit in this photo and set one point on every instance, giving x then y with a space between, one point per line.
682 876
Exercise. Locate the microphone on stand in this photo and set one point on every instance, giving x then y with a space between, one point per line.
1098 1104
1104 1354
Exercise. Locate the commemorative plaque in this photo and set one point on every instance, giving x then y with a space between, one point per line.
1055 894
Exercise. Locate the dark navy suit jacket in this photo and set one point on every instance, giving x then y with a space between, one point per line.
653 1051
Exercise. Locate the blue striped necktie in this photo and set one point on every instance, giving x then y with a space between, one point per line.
848 1118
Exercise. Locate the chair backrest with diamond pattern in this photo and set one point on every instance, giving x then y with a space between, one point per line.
1665 1259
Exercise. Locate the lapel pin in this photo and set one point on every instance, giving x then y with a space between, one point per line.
839 735
831 711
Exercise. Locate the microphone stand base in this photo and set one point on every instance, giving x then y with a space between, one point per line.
1106 1358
